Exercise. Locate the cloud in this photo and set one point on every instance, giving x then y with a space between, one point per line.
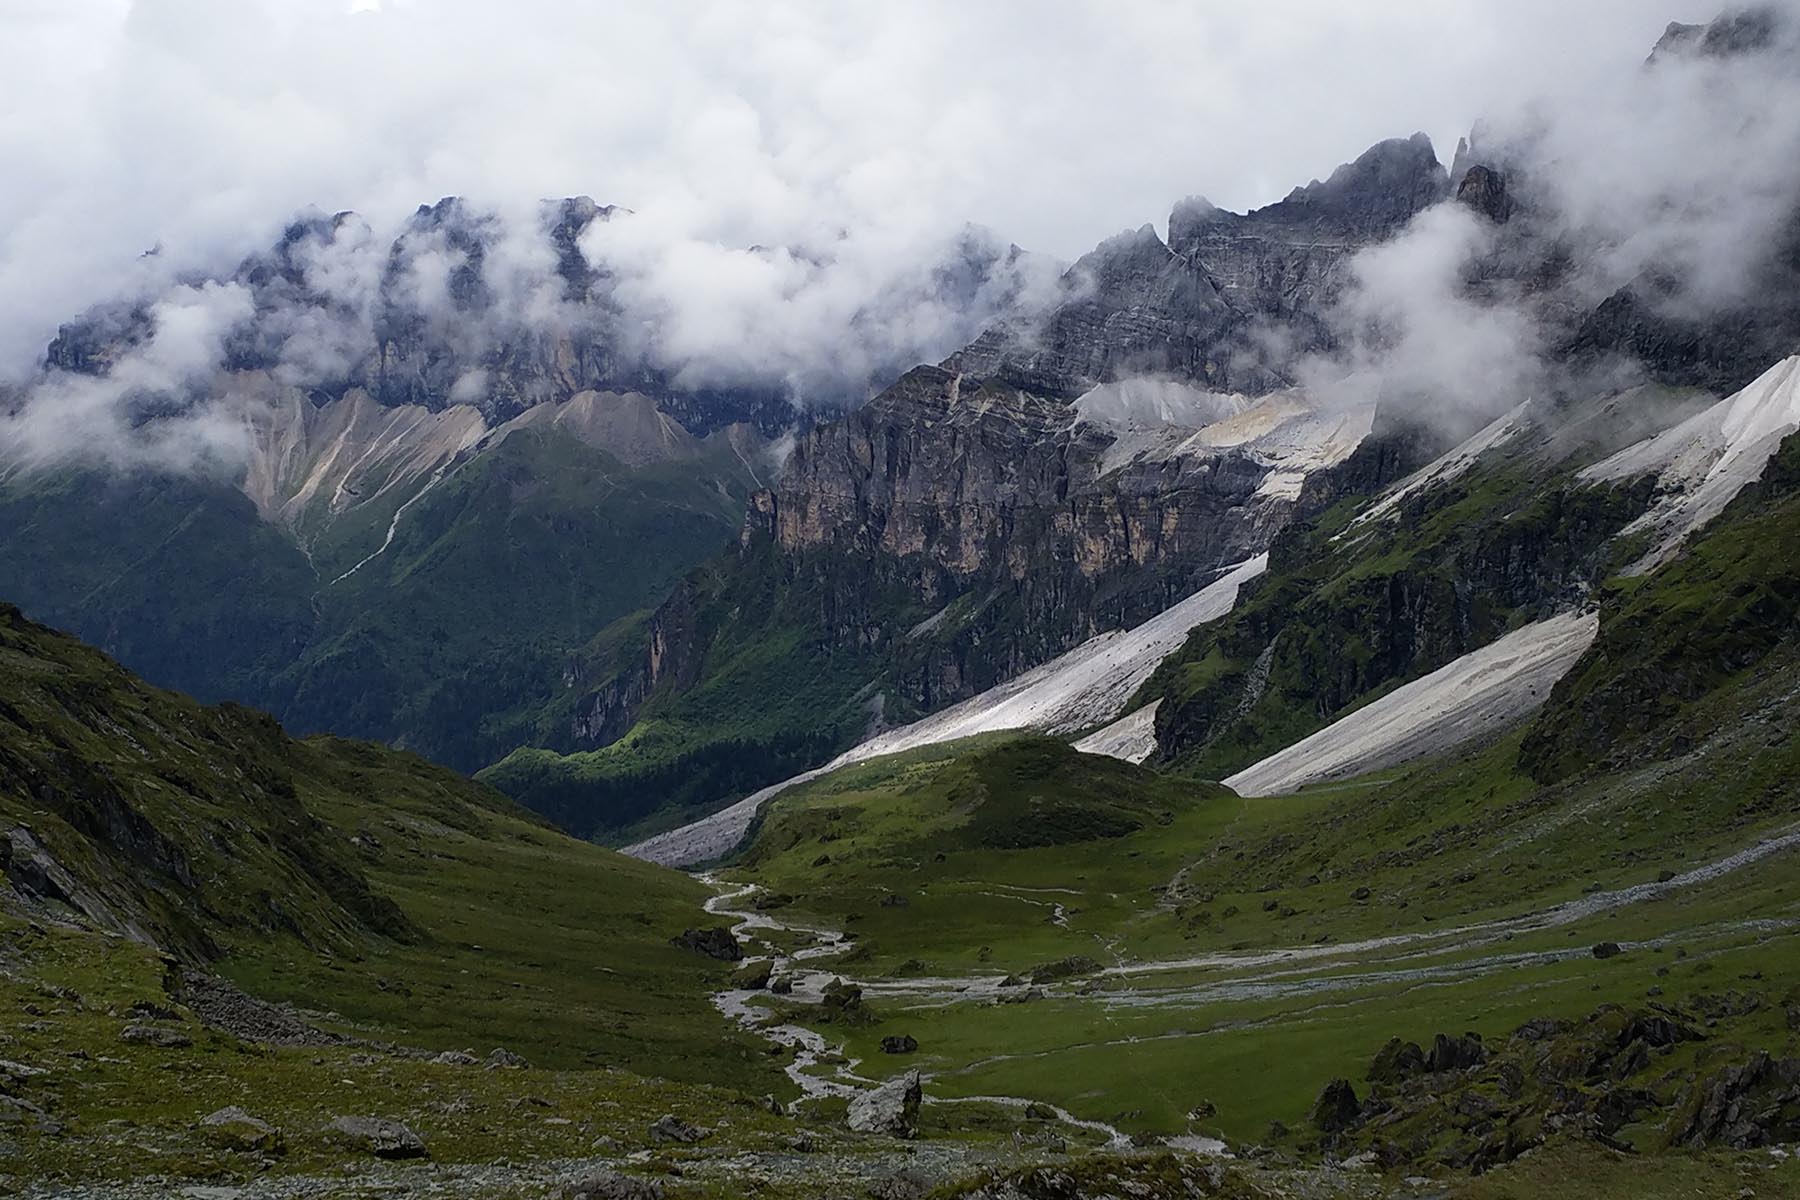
202 125
804 182
1412 334
1681 173
134 415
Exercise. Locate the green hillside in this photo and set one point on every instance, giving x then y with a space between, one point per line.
407 901
453 641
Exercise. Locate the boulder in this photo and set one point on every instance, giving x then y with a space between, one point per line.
17 1111
376 1135
891 1109
156 1035
782 985
899 1043
1455 1054
754 975
601 1183
716 942
1744 1107
1606 950
1064 968
1396 1061
502 1059
1337 1107
670 1129
234 1129
149 1010
840 999
455 1058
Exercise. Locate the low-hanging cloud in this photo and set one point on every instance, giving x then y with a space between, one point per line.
796 177
202 125
115 417
1679 173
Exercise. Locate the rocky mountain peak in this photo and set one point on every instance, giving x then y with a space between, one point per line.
1376 193
1734 33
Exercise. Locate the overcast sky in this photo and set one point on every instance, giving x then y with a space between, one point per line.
201 125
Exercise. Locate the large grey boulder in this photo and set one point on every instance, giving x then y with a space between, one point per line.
716 942
234 1129
502 1059
891 1109
670 1128
376 1135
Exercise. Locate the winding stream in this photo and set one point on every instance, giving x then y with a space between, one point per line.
811 1050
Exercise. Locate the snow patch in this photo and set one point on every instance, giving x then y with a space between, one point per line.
1154 403
1483 691
1704 462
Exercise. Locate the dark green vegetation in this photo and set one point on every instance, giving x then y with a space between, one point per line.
176 576
1668 639
413 905
768 697
452 642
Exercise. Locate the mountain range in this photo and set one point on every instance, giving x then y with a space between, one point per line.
1295 702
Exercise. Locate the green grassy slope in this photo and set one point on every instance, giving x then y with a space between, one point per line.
1292 982
454 641
1669 639
176 576
414 905
979 840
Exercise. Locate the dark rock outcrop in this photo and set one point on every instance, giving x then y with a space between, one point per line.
716 942
1455 1053
754 976
603 1183
1193 307
1337 1107
671 1129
